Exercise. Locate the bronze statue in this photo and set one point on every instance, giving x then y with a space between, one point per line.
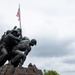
8 41
12 46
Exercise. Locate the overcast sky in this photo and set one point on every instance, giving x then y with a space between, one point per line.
52 24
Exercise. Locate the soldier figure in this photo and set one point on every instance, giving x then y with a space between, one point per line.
9 41
23 46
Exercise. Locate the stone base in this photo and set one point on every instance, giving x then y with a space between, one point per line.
10 70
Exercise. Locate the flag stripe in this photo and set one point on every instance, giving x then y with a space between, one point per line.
18 14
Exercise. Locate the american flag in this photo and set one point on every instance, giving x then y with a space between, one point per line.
18 14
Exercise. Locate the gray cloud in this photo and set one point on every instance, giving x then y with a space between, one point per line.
51 8
69 60
69 72
72 71
51 48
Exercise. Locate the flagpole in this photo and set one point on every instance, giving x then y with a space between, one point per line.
20 20
19 16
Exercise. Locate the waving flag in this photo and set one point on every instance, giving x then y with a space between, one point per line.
18 14
19 18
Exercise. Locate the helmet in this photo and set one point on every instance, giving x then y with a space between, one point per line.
8 32
19 29
13 31
34 41
25 38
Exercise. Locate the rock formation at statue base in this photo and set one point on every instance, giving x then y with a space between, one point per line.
10 70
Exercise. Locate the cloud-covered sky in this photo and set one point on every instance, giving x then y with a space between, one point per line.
52 23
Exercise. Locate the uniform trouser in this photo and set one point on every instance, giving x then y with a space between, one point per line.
3 56
18 55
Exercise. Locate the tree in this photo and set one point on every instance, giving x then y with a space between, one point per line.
50 72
